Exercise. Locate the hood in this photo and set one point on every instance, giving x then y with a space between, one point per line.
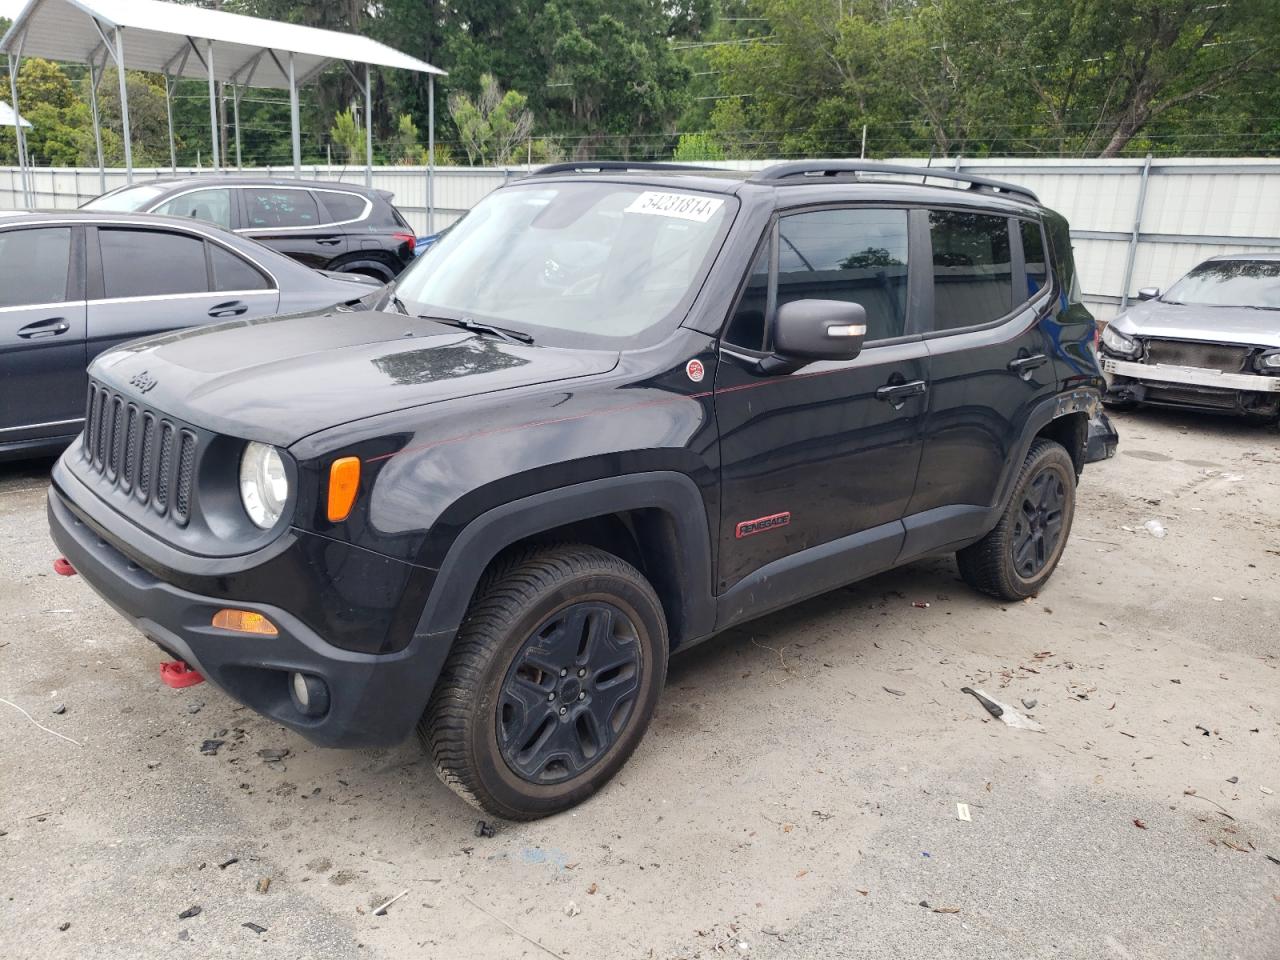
1242 325
280 379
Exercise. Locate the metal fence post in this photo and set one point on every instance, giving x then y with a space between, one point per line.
1137 230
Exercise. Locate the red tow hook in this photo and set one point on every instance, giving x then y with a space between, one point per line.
63 568
176 674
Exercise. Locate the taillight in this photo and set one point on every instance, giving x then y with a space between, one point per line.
409 239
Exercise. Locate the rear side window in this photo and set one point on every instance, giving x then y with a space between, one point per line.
1033 255
343 206
269 209
858 255
972 268
213 206
151 263
232 273
34 266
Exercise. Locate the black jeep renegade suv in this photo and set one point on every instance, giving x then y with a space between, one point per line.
617 410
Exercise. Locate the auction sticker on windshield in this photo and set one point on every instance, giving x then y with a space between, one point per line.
685 206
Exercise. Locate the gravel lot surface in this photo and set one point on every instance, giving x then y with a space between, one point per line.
796 796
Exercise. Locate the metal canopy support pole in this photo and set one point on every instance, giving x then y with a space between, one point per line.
15 63
124 105
1137 230
368 129
431 153
235 116
293 118
95 75
213 106
169 84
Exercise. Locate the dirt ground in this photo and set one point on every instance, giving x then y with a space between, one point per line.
796 796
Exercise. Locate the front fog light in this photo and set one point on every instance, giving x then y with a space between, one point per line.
310 694
264 485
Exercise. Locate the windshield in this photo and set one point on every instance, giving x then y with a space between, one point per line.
583 264
127 200
1230 283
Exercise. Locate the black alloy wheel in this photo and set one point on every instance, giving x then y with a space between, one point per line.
1037 526
569 692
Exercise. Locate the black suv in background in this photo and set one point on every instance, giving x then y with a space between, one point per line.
328 226
680 399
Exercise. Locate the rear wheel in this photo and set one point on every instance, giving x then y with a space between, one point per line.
1015 559
550 684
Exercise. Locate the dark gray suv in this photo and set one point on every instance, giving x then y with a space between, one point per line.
73 285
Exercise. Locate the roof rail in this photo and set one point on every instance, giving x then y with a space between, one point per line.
599 166
835 168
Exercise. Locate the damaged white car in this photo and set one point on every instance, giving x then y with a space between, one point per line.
1211 342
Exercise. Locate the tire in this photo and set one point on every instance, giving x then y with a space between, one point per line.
522 739
1012 562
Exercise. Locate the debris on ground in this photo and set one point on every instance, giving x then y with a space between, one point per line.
1203 730
920 604
264 884
195 707
1029 704
256 928
1140 824
60 709
272 754
591 890
1155 528
210 747
485 829
962 812
227 863
1233 779
946 909
896 693
382 910
64 926
190 912
571 909
1002 711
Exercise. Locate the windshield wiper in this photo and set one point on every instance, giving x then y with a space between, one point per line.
475 326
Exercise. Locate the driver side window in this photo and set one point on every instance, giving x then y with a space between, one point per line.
213 206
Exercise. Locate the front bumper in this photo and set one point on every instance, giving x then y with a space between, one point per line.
374 699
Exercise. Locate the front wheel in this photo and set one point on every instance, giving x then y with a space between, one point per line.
1014 560
550 684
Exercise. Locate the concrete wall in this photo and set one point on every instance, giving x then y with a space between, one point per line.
1194 208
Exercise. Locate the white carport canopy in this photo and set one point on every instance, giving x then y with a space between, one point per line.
8 118
184 41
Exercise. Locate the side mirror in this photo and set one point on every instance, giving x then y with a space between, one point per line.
1148 293
819 330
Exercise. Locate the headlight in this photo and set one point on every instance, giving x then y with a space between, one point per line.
1270 361
264 485
1117 342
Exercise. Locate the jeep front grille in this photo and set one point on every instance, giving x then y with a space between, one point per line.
141 452
1208 356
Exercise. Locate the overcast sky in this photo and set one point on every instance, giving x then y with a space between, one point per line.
10 8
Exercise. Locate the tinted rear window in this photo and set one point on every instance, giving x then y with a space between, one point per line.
146 263
972 268
268 208
232 273
343 206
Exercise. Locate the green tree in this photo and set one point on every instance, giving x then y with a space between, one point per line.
347 134
697 146
492 125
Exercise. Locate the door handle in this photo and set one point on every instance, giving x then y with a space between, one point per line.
898 393
44 328
328 241
232 308
1023 366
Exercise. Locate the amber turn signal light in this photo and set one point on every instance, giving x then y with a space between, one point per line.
244 621
344 480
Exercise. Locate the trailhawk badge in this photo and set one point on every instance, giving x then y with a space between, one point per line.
142 381
695 370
